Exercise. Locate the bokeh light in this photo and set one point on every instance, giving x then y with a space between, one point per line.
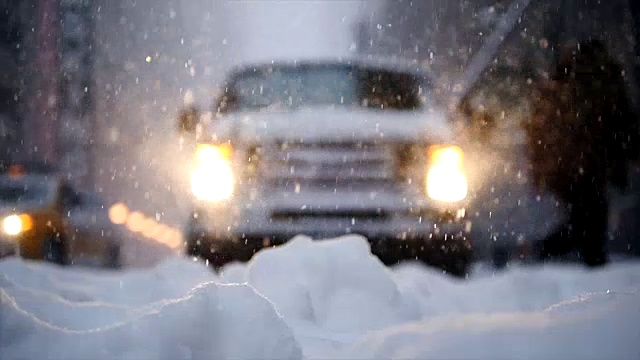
118 213
149 227
136 221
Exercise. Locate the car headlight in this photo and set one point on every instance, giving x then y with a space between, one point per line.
446 180
13 225
212 178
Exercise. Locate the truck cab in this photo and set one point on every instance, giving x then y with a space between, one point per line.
323 149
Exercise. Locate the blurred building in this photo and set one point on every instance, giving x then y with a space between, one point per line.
32 39
12 18
46 84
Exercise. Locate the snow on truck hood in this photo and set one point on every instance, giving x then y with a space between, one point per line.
316 124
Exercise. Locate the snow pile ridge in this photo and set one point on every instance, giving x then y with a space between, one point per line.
336 284
320 299
211 321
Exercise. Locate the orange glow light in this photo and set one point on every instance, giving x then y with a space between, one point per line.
176 239
149 227
27 222
118 213
136 221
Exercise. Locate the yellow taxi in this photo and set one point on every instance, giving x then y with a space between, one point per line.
42 217
31 217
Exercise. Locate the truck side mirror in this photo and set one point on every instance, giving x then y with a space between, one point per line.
188 119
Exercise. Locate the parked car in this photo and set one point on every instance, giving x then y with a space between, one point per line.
326 148
42 217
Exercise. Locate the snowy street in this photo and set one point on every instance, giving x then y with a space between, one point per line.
328 299
159 139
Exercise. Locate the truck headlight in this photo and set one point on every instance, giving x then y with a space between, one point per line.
446 180
212 178
13 225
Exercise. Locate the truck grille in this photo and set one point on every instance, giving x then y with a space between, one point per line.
294 215
328 164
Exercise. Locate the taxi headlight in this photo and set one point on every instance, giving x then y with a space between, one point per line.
212 178
13 225
446 180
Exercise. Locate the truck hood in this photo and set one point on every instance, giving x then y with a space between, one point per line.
318 124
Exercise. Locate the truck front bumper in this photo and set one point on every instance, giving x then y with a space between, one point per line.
226 233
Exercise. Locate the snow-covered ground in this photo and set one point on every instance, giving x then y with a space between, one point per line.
328 299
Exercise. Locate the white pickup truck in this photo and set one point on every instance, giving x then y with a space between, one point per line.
325 148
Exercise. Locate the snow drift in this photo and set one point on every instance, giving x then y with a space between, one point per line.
157 321
595 326
317 299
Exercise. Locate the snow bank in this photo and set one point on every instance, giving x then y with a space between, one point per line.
595 326
522 289
336 284
318 299
334 292
329 291
140 315
552 312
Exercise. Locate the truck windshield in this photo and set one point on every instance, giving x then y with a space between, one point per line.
285 88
